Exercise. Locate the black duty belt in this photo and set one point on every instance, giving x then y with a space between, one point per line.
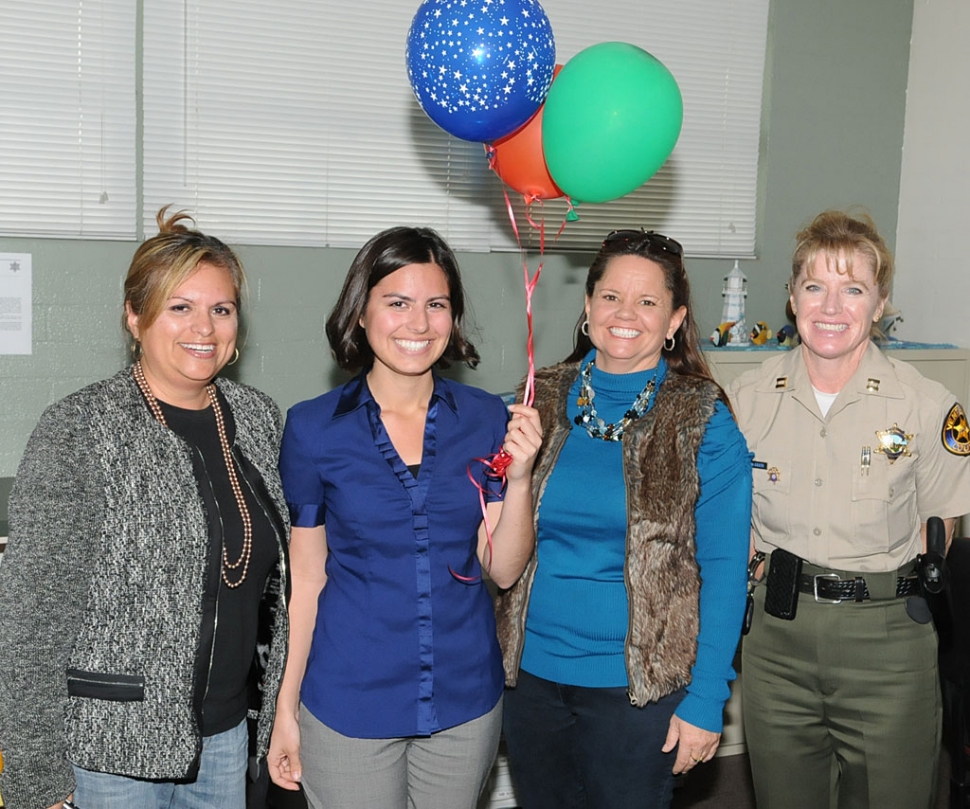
829 588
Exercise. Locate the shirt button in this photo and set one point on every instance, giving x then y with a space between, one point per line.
822 432
892 491
817 532
818 481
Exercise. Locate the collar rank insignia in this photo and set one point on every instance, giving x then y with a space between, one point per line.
781 383
894 442
872 385
956 431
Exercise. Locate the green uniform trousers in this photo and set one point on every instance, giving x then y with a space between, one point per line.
841 706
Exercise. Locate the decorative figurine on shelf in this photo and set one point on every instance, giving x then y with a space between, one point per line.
734 293
722 334
761 334
787 336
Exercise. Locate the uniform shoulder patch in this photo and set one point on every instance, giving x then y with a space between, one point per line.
956 431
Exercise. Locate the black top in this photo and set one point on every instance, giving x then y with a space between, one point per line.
237 609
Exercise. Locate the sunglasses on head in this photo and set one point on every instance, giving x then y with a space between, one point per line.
649 237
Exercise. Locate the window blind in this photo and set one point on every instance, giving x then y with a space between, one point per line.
293 123
67 118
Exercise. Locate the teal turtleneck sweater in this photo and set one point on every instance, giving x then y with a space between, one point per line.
577 618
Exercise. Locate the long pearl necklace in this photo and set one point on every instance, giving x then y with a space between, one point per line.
247 546
595 426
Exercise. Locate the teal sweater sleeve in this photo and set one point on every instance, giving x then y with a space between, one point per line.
723 518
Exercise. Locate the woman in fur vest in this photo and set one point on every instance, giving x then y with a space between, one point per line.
618 638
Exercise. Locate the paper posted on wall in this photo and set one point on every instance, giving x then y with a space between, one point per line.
16 319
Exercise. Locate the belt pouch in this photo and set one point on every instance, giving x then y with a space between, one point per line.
781 589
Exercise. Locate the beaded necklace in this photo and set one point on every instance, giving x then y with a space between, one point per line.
595 426
247 546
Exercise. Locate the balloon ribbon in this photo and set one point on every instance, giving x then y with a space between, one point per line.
497 464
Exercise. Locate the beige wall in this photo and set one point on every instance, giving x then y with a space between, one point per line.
934 200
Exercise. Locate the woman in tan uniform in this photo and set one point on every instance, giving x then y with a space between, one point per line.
853 453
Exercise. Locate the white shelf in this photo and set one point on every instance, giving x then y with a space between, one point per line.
948 366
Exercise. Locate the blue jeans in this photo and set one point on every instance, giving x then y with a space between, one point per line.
572 747
220 784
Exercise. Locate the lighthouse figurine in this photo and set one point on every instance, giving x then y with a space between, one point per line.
734 293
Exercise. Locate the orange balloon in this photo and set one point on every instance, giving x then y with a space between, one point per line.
518 159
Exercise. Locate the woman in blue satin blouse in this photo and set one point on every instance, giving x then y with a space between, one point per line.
393 686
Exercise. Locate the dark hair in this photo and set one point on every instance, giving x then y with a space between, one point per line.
387 252
164 261
686 357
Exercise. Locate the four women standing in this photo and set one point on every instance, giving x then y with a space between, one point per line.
152 500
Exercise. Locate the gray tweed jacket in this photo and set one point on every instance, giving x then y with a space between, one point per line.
105 573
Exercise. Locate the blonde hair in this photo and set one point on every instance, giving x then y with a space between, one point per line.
163 262
838 236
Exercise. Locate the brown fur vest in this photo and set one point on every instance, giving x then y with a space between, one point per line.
662 485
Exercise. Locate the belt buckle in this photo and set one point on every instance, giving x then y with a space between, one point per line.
831 577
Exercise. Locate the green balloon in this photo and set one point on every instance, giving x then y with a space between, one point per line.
611 119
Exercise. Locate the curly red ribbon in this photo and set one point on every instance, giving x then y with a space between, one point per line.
497 464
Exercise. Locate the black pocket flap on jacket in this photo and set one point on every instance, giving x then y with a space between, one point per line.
114 687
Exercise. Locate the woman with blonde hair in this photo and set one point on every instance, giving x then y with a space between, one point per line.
854 452
146 518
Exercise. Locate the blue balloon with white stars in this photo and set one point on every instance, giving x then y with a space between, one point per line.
480 68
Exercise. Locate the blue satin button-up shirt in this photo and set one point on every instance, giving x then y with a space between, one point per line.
401 646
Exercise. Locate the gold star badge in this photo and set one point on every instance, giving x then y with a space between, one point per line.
894 442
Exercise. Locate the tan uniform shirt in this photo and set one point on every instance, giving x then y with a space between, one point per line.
815 493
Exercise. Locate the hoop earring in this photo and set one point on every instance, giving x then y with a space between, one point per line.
673 342
234 359
585 328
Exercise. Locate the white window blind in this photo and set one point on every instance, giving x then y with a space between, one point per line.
294 123
67 118
705 195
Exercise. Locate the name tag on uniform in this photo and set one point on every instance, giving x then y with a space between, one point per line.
774 473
